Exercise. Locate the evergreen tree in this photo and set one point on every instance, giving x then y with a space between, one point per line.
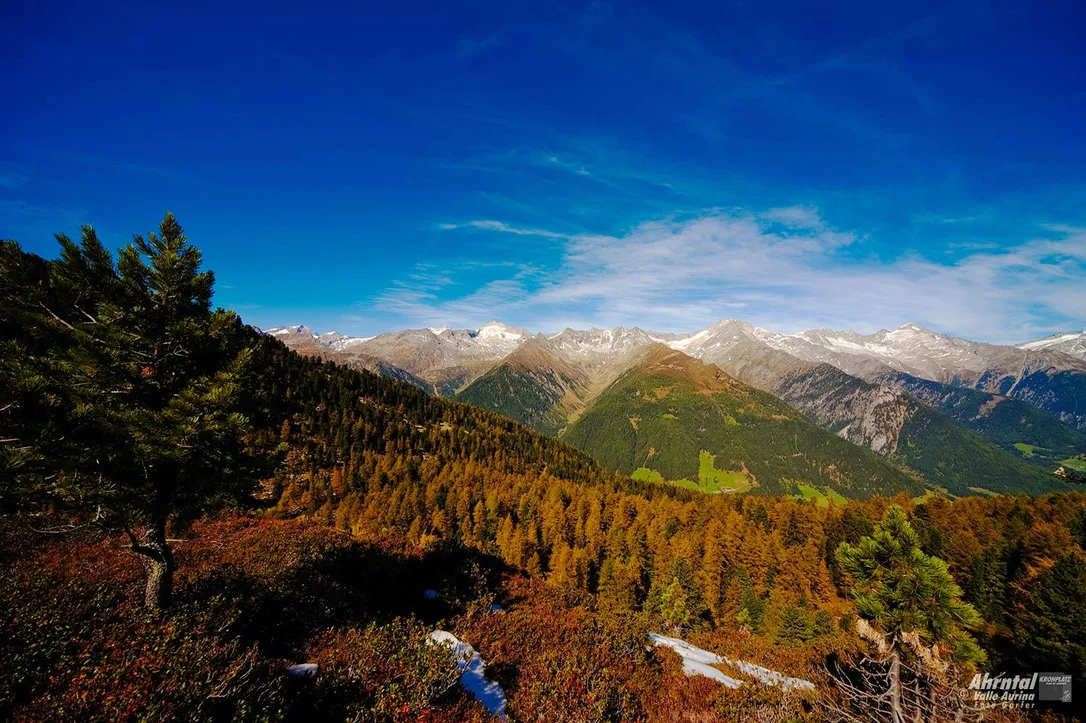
913 615
1050 615
676 596
140 382
901 590
796 625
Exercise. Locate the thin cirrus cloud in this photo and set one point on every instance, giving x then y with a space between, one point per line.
783 268
502 227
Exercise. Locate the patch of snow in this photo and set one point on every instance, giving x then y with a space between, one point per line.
1054 340
349 341
697 661
689 341
303 670
288 330
497 330
473 673
770 677
438 330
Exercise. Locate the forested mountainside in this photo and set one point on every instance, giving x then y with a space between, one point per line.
534 386
345 421
877 415
950 455
540 387
685 420
1014 425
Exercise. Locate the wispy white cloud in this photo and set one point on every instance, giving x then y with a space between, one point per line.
501 226
784 268
795 217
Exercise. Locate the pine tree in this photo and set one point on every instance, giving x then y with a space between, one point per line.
902 590
676 596
143 378
913 615
796 625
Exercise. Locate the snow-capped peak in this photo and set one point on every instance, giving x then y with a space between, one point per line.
498 330
721 332
911 327
341 342
287 330
1072 342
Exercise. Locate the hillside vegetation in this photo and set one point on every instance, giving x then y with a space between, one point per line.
1005 421
669 408
952 449
533 386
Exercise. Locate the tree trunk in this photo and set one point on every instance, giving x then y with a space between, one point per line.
896 714
158 566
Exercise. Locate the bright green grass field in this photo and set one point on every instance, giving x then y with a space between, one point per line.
644 474
1074 463
823 498
1027 450
710 479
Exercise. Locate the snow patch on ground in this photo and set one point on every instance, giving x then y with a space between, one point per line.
303 670
473 673
697 661
770 677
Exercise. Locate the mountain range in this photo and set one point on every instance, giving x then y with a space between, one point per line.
964 416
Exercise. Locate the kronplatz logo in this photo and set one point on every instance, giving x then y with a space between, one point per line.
1022 691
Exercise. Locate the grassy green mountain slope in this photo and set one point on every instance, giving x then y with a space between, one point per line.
532 385
664 412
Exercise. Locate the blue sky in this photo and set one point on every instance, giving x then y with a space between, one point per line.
370 167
